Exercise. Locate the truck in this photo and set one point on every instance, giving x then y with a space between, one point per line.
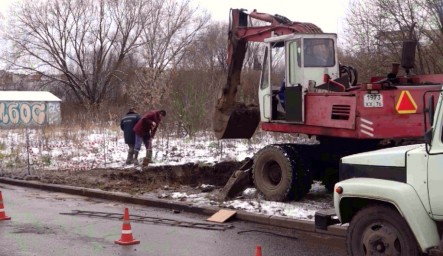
392 199
319 97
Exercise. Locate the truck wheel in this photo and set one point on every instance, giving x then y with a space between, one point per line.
380 230
273 174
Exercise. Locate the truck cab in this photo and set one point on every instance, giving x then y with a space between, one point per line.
393 198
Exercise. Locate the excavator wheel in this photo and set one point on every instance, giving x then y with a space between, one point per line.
276 174
302 178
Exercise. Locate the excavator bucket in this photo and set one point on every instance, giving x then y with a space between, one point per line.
237 122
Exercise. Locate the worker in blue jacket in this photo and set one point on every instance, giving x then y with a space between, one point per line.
127 124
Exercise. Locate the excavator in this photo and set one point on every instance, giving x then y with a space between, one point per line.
303 89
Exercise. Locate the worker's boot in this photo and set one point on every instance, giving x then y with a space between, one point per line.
135 160
148 158
129 158
145 162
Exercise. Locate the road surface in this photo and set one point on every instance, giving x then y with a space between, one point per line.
38 229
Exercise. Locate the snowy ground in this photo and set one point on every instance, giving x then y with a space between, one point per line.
57 148
250 200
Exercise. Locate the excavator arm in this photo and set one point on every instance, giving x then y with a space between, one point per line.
236 120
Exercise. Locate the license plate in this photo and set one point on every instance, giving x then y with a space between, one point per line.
373 101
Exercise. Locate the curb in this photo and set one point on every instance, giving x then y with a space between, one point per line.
301 225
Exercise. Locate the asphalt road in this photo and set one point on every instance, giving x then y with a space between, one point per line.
37 228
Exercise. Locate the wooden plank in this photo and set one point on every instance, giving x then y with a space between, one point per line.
221 216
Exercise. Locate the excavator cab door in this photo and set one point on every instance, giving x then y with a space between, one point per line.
294 98
281 92
265 90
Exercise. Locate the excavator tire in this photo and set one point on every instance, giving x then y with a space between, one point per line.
276 174
272 173
302 180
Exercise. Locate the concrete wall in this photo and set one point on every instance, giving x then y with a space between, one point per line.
28 114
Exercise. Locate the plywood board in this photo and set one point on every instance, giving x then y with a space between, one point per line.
221 216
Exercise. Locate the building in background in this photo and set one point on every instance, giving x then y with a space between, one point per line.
28 109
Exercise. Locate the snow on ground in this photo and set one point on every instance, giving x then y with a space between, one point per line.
80 149
251 201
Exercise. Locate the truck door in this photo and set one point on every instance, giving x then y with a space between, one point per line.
435 183
435 164
265 93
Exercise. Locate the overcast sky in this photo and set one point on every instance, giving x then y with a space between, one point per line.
3 5
326 14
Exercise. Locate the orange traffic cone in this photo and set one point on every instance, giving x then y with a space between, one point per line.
2 210
126 238
258 250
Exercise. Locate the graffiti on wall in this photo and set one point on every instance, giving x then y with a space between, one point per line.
54 113
26 113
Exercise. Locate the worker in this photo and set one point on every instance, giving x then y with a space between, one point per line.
145 130
127 124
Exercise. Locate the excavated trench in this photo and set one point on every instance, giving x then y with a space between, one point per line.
132 180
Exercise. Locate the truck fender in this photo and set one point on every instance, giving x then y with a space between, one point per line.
359 191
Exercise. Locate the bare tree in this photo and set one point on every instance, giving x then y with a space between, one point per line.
199 77
80 44
209 50
172 29
376 29
433 34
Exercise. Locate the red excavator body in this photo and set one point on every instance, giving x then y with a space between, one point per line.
379 109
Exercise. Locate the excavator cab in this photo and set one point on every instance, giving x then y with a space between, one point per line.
294 65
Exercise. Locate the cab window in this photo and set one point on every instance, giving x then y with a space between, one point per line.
318 52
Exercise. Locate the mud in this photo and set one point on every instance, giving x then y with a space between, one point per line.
132 180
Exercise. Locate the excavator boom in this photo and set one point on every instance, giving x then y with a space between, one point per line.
236 120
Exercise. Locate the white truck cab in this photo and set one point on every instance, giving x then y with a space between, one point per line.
393 198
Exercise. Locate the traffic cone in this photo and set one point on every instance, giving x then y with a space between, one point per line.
258 250
2 210
126 238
